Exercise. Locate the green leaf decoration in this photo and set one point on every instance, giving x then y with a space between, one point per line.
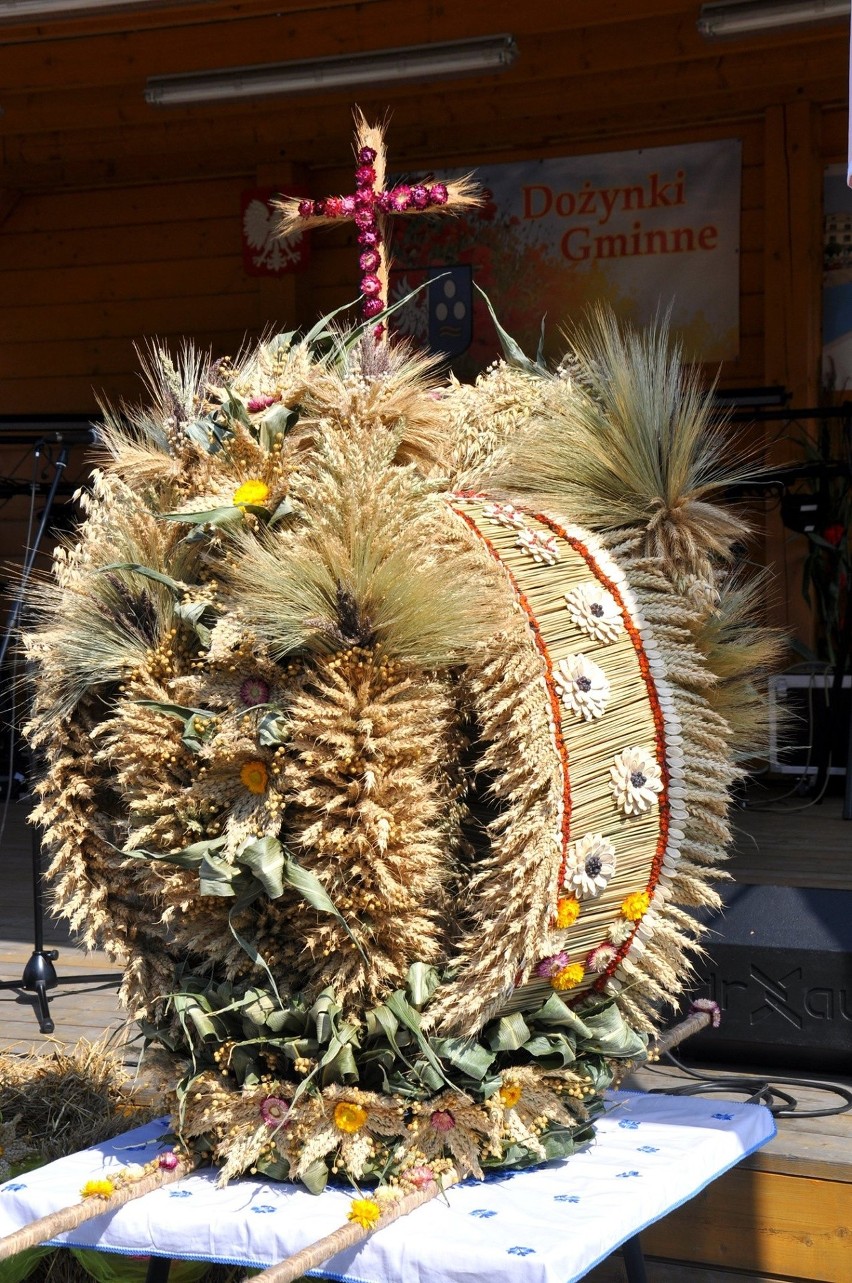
217 875
510 1033
611 1035
552 1051
555 1012
277 421
272 728
180 711
421 983
264 858
512 351
146 572
316 1177
466 1055
226 516
284 509
311 889
192 613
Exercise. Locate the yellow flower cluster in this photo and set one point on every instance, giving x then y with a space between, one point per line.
255 776
635 905
365 1211
510 1094
569 977
102 1188
252 492
349 1117
567 911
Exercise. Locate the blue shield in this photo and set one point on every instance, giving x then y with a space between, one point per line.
450 309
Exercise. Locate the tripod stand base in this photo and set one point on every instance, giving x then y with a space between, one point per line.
40 975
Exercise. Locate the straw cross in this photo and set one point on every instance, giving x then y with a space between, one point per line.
371 207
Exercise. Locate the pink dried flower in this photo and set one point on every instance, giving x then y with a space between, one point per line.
168 1160
370 285
419 1176
307 208
254 690
372 307
367 155
369 260
365 196
369 236
707 1004
365 219
438 194
348 205
549 967
365 176
258 403
334 206
419 196
401 198
274 1111
442 1120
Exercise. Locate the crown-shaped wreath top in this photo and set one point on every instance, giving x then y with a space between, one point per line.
387 725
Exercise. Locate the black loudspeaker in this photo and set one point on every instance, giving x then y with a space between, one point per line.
779 965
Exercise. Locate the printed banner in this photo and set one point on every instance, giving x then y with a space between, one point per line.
645 231
265 253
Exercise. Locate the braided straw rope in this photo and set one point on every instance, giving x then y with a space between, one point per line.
692 1024
68 1218
348 1235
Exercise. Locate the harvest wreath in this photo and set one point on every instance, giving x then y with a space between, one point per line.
392 786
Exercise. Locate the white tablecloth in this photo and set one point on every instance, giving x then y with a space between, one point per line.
551 1225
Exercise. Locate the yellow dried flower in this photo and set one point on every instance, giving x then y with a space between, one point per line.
569 977
510 1094
349 1117
635 905
567 911
102 1188
251 492
255 776
365 1211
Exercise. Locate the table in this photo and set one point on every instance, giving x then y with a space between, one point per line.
651 1154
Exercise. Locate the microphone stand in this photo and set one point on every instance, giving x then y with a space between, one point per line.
39 974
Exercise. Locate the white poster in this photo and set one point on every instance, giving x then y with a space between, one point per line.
645 231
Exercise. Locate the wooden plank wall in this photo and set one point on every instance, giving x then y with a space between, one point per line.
120 221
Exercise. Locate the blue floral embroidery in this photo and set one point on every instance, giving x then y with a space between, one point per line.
630 1123
7 1189
725 1117
483 1213
263 1207
566 1198
648 1149
180 1193
621 1175
521 1251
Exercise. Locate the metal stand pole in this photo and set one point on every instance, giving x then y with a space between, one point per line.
40 973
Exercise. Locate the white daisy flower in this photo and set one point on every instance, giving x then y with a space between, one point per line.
541 547
636 780
589 866
595 611
503 514
582 686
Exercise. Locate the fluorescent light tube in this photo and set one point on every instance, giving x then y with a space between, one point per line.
733 19
381 67
34 10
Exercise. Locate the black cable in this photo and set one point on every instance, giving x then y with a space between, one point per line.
763 1091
